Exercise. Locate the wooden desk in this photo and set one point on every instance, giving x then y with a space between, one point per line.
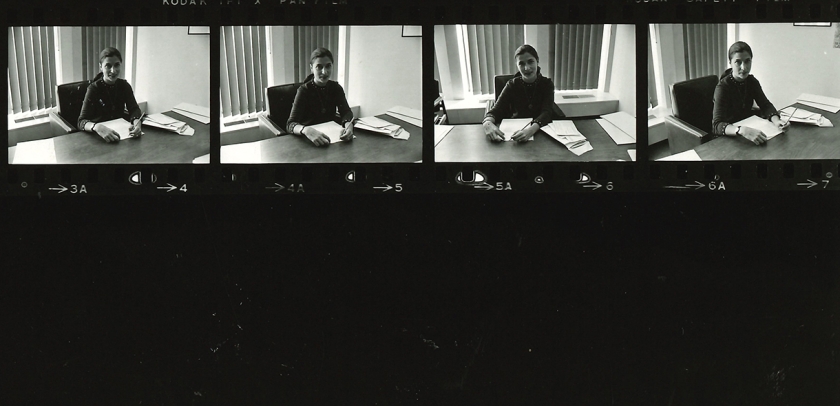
800 141
467 143
366 147
156 146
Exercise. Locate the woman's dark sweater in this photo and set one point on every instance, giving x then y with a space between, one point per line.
315 105
525 100
104 102
734 101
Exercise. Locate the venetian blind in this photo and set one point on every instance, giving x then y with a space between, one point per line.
32 71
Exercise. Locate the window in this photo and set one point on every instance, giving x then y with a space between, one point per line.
244 70
705 49
32 71
570 54
574 55
487 51
653 99
307 39
94 40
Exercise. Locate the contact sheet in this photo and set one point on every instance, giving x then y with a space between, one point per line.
234 72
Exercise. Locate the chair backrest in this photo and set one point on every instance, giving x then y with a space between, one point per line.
279 100
499 81
71 96
692 101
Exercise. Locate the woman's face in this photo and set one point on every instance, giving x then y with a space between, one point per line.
741 63
527 65
322 69
110 68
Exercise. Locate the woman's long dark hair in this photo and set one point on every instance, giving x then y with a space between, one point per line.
107 53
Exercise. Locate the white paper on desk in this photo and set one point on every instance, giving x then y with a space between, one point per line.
331 129
119 125
381 126
401 134
35 152
441 131
618 136
582 148
413 116
831 104
632 153
564 127
161 118
197 113
204 159
690 155
800 116
245 153
510 126
625 122
767 127
830 109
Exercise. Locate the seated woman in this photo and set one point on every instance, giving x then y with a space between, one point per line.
107 98
734 96
318 99
528 95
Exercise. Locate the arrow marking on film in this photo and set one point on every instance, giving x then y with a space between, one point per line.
383 188
810 184
595 186
60 189
169 187
277 187
695 186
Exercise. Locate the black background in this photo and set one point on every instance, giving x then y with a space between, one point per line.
631 298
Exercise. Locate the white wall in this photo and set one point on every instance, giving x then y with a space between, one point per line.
789 61
385 69
622 83
172 67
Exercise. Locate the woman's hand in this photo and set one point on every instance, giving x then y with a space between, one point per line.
135 130
318 138
493 133
525 134
347 133
779 123
106 133
754 135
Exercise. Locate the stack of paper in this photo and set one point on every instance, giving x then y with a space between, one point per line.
197 113
406 114
821 102
332 130
35 152
119 125
767 127
690 155
245 153
160 120
510 126
797 115
381 126
620 126
568 135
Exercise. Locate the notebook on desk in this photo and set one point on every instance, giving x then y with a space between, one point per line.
119 125
765 126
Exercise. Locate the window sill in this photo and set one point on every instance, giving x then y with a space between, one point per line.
12 125
248 121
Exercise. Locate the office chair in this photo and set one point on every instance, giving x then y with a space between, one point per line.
278 107
499 82
692 103
70 97
439 106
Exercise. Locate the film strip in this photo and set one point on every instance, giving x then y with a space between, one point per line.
803 158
